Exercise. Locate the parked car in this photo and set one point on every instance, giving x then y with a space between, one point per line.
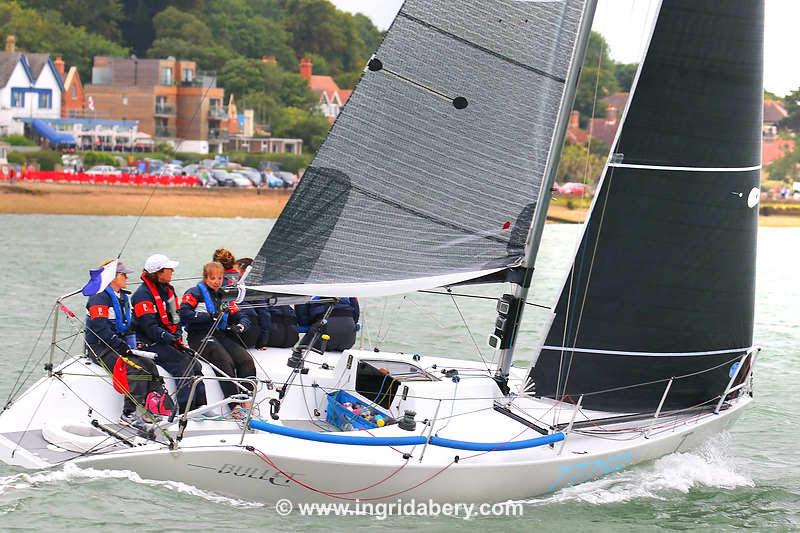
103 170
273 181
252 174
572 189
288 178
239 180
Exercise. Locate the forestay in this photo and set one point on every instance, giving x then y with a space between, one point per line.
433 169
663 281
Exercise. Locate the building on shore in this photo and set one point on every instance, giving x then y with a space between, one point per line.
331 98
30 87
169 98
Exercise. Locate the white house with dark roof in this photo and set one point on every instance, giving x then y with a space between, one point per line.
30 87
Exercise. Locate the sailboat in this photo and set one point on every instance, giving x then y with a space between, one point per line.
649 350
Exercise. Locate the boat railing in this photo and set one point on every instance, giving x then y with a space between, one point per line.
746 380
183 421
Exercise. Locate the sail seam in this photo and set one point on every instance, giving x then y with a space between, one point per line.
686 169
421 214
482 48
649 354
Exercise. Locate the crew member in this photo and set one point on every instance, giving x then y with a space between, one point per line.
158 330
109 337
256 310
217 331
342 323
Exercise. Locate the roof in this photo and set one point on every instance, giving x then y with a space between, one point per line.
774 111
8 62
773 149
33 64
328 86
85 121
604 129
618 100
72 77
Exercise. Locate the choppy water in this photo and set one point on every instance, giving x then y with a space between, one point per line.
749 477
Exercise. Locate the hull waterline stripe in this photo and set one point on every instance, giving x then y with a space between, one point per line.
405 441
686 169
648 354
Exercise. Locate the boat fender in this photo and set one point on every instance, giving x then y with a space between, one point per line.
456 459
408 423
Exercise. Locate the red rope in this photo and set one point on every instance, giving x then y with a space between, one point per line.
264 457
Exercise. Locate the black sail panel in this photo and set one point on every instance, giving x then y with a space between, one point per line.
434 166
663 282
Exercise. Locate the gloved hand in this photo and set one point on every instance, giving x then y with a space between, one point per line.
127 352
237 328
168 337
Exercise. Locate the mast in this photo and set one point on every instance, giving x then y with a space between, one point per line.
511 307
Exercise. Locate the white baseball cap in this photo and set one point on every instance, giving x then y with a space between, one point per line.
157 262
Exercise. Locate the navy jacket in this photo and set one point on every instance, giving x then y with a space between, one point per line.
101 323
195 316
311 313
149 326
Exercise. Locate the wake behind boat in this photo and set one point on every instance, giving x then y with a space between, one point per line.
650 348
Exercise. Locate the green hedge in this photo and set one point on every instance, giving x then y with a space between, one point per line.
46 159
16 139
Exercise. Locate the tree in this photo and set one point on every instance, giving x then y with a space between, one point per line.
247 31
791 103
48 34
102 18
310 126
597 79
624 74
577 164
317 27
242 76
348 80
371 36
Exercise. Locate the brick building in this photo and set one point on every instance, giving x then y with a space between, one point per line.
169 98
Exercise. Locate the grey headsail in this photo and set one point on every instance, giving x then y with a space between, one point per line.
663 282
431 173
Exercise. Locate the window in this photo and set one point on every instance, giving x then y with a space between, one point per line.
74 91
17 97
124 100
288 148
188 74
166 76
45 100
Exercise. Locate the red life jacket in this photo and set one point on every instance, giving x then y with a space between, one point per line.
161 307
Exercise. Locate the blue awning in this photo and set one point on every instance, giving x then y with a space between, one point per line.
55 138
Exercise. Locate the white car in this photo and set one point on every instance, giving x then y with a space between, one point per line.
103 170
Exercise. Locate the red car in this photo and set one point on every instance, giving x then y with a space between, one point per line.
572 189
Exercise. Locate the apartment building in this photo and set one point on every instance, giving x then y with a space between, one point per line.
169 98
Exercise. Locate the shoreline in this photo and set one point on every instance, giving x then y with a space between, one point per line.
122 200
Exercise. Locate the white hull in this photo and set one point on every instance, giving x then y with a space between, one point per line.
268 467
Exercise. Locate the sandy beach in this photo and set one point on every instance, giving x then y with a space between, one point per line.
72 199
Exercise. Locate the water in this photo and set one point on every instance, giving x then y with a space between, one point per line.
749 477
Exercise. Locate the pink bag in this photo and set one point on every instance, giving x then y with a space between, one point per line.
159 403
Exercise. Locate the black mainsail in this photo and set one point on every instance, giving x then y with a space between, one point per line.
663 282
433 170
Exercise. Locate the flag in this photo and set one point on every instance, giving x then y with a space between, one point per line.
120 377
99 278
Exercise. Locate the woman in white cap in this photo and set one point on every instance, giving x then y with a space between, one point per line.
155 304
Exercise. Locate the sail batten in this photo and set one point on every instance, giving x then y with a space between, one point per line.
413 183
665 270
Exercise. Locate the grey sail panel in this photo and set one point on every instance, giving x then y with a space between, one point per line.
408 186
663 281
